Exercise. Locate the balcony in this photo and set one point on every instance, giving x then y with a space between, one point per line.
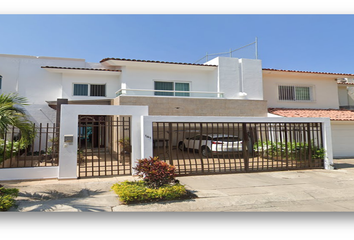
167 93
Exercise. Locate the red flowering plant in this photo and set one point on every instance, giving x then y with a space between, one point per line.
155 172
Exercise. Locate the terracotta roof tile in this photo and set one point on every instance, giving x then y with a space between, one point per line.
92 69
333 114
348 83
294 71
150 61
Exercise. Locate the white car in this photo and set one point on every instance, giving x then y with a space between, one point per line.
212 144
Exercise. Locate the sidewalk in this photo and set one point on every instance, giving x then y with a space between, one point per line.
299 191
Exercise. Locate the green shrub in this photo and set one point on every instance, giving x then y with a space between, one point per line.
16 146
154 172
7 197
138 191
294 151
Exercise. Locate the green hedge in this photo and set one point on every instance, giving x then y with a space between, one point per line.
138 191
294 151
7 197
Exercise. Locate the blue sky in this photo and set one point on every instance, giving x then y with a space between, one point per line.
315 42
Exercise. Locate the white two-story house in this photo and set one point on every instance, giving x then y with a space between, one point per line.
220 87
314 94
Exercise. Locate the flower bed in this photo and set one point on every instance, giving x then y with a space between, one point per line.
138 192
158 184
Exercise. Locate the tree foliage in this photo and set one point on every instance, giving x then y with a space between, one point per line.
12 113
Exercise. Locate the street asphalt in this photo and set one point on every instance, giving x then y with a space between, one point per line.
284 191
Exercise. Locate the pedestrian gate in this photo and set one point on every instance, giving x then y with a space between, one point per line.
104 147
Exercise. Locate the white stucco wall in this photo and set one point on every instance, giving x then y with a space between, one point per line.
324 89
344 98
343 138
138 77
24 75
69 126
239 75
69 79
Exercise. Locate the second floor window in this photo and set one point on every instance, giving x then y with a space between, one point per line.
95 90
182 89
294 93
0 82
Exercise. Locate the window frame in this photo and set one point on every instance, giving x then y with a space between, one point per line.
89 89
310 87
174 87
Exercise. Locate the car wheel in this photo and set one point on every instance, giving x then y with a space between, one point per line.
206 151
181 146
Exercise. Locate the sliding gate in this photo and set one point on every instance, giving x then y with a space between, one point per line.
104 147
208 148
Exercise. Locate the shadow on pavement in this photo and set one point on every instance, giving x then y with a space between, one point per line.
45 201
343 165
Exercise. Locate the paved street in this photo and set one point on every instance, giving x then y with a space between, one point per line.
286 191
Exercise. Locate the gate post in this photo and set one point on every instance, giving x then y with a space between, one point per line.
69 126
245 141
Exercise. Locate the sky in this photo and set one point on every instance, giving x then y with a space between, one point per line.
304 42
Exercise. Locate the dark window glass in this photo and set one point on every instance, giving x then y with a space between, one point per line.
98 90
80 89
164 86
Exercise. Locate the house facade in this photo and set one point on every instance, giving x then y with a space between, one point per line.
314 94
220 87
157 105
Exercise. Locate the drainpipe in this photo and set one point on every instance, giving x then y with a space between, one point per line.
242 94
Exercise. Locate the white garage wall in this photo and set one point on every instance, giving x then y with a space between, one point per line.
343 139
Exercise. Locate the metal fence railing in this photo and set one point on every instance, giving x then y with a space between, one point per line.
207 148
42 152
104 147
231 53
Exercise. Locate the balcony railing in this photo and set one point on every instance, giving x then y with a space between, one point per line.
168 93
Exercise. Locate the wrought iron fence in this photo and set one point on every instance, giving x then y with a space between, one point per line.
42 152
205 148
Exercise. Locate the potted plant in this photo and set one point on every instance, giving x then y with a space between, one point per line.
125 144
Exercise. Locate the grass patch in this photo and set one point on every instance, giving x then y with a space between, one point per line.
138 192
7 197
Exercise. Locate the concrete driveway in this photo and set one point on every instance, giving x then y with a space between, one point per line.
286 191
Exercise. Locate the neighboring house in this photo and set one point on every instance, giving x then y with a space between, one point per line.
314 94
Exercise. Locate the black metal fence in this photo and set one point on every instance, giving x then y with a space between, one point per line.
104 147
206 148
42 152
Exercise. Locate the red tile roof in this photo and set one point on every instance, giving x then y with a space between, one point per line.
92 69
294 71
150 61
348 83
333 114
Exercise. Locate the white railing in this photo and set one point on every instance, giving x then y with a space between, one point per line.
168 93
